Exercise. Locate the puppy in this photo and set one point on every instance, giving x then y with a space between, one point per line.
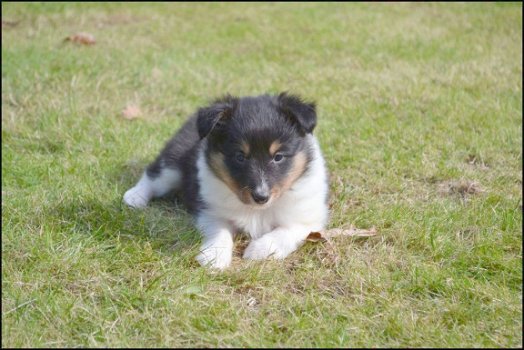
246 164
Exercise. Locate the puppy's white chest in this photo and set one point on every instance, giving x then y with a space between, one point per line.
255 222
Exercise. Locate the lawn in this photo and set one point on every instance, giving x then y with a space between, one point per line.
420 121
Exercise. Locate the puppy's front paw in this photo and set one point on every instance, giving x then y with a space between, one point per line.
217 258
265 247
137 197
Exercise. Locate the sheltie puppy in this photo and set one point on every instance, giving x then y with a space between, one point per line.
249 165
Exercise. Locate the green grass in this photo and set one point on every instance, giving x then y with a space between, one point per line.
411 99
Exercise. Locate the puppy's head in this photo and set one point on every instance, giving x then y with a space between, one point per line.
257 145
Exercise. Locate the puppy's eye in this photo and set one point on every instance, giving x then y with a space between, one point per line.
240 157
278 158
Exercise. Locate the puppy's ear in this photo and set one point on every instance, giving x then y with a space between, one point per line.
301 113
216 115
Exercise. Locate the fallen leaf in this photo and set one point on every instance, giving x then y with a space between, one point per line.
324 235
131 112
9 24
315 237
82 38
461 187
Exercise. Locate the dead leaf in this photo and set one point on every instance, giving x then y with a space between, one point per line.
131 112
10 24
324 235
81 38
461 187
315 237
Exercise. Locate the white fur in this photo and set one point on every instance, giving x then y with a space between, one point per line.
217 249
278 228
147 188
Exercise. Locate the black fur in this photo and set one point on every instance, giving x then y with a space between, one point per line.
302 113
215 115
181 153
224 126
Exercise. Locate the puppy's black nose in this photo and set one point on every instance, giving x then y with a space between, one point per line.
260 197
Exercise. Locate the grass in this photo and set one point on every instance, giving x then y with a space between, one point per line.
420 120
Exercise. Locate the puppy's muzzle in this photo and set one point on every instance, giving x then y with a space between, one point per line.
260 195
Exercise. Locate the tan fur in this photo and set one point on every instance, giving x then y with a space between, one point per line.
245 148
216 163
298 168
275 146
